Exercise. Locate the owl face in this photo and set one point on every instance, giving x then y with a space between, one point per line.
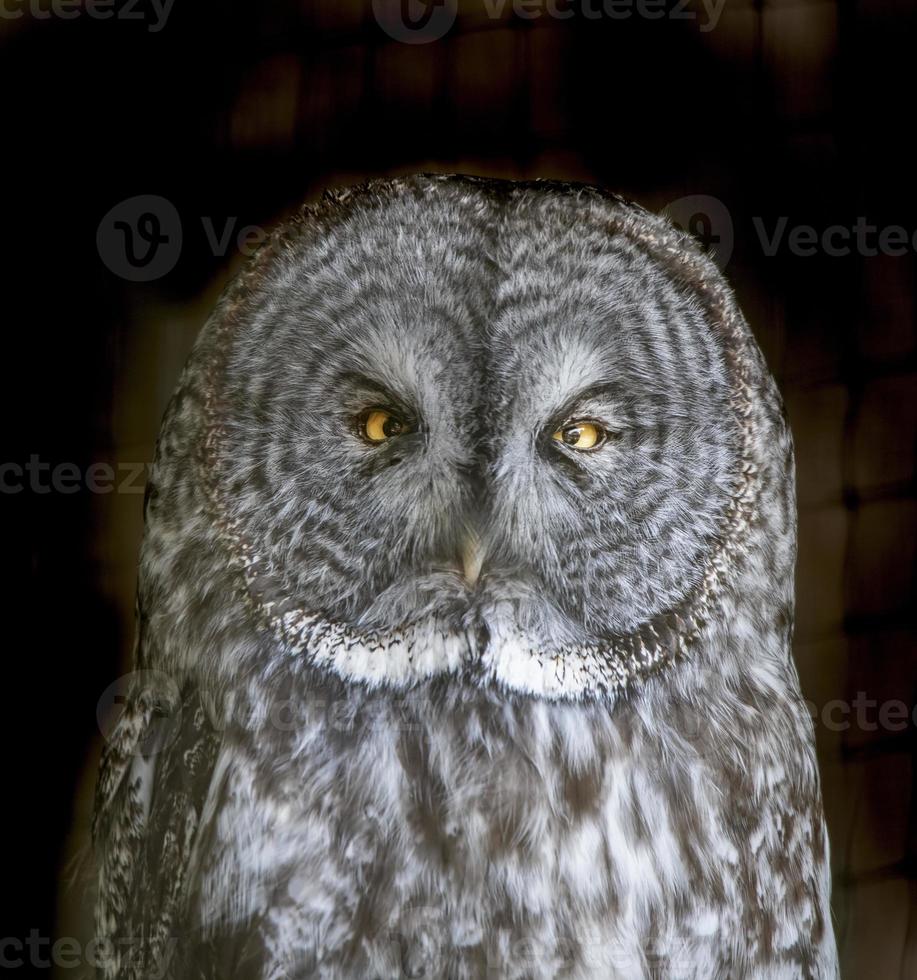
471 422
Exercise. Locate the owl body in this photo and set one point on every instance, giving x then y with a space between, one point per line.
464 616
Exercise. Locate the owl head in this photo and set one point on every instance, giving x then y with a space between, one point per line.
447 425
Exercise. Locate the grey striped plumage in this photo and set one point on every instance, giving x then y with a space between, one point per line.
589 761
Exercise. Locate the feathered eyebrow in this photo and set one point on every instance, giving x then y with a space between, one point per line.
601 391
358 381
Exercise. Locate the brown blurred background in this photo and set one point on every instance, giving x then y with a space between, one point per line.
234 112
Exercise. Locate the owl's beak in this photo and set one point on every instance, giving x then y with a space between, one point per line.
472 555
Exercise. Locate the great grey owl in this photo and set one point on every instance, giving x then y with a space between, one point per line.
464 615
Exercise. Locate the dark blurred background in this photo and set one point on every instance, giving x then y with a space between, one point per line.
764 115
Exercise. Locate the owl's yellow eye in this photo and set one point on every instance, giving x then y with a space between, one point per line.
582 435
378 424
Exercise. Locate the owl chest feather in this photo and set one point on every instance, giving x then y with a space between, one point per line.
565 837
